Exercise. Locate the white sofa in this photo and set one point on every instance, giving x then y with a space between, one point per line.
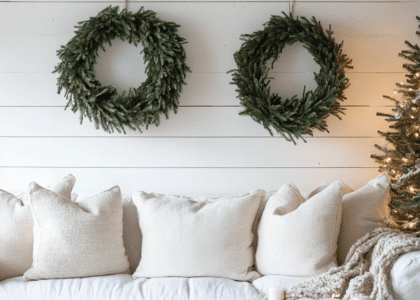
405 277
405 283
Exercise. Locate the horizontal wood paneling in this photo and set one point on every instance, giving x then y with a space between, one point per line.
33 54
131 2
213 31
185 152
380 54
218 18
206 147
189 121
195 18
362 17
365 88
185 180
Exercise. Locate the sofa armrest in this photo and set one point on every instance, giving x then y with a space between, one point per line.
405 276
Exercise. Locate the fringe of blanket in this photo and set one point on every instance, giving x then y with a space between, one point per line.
366 269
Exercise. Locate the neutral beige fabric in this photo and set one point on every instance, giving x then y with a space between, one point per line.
363 211
366 270
298 237
186 238
76 239
131 233
63 187
344 188
16 229
131 229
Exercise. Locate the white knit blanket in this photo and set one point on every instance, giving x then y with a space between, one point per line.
366 269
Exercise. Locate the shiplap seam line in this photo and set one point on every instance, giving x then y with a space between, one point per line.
185 137
348 72
180 106
158 1
68 167
351 1
207 1
217 1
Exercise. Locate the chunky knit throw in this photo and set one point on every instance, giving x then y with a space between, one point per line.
366 269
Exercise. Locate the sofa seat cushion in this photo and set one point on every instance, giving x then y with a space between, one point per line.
263 284
405 276
123 287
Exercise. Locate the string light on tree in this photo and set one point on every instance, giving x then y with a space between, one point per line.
401 159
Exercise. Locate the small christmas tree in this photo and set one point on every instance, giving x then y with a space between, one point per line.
401 158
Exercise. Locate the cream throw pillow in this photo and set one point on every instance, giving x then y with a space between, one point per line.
363 211
298 237
186 238
16 229
76 239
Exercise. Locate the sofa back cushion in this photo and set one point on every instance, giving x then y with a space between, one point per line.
76 239
298 237
131 230
363 211
132 236
16 229
183 237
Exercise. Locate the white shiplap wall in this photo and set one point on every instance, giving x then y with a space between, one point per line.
207 147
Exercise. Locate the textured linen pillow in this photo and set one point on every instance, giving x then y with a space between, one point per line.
76 239
298 237
182 237
132 236
363 211
16 229
210 198
131 229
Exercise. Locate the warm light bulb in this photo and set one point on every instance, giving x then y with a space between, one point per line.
411 189
417 74
416 134
414 108
412 117
388 159
410 90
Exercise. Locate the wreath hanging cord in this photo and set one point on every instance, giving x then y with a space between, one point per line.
164 57
292 118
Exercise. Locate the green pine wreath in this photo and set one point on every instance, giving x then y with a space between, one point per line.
292 118
141 106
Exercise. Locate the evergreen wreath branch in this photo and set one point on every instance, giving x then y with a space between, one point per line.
140 107
292 118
